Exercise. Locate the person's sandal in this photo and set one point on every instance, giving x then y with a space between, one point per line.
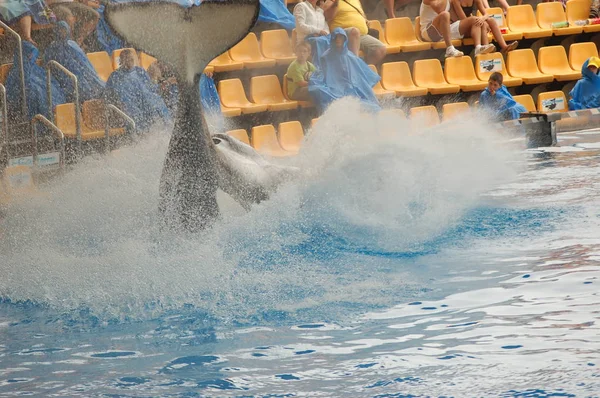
510 47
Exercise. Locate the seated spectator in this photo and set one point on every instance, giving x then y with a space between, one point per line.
310 19
463 9
19 14
497 100
163 76
342 74
81 15
35 86
586 93
67 53
436 26
349 15
298 74
132 91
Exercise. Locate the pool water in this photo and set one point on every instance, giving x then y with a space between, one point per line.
403 262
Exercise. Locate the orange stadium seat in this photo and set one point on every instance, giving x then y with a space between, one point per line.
527 101
522 63
314 121
146 60
92 113
102 63
64 116
264 140
580 52
230 112
552 101
426 113
578 10
428 74
18 180
396 76
4 70
240 134
117 53
248 52
486 64
224 63
459 71
232 95
389 48
400 32
553 61
549 13
284 89
521 19
276 44
435 45
454 109
379 91
291 136
265 90
498 14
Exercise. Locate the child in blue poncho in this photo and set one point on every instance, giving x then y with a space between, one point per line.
586 93
498 101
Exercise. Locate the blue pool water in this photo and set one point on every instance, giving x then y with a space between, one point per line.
446 263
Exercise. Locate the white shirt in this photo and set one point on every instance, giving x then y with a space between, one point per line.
428 14
309 21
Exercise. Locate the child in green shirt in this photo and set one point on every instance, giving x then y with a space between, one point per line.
299 72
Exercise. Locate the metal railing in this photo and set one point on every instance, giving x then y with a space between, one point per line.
128 120
16 36
55 131
49 66
4 115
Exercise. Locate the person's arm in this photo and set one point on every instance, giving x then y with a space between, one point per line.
482 6
331 10
438 6
455 4
301 25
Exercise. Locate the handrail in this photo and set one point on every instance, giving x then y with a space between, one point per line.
55 130
128 120
24 108
4 115
70 75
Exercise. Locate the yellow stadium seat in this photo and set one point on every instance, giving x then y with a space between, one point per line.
486 64
4 71
239 134
498 14
435 45
522 63
379 91
265 90
117 53
232 95
389 48
521 19
146 60
454 109
314 121
426 113
397 112
248 52
284 89
291 136
578 10
276 44
224 63
428 74
459 71
65 121
102 64
18 180
400 32
580 52
64 115
264 140
396 76
549 13
230 112
552 101
553 61
527 101
92 113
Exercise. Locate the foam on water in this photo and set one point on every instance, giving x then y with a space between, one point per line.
369 185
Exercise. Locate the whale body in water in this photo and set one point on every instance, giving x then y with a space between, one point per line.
197 164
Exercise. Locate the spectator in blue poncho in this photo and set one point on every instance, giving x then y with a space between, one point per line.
131 90
35 85
498 101
586 93
68 53
342 74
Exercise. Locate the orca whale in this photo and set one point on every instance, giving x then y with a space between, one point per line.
197 164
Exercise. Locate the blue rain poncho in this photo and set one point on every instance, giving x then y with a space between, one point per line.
35 85
211 103
586 93
341 74
68 53
133 92
319 45
502 105
275 11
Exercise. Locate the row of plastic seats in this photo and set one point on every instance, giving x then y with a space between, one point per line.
286 141
549 101
92 127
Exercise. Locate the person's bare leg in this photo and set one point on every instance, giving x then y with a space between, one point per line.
375 56
496 32
504 5
24 28
354 41
467 27
389 8
442 24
